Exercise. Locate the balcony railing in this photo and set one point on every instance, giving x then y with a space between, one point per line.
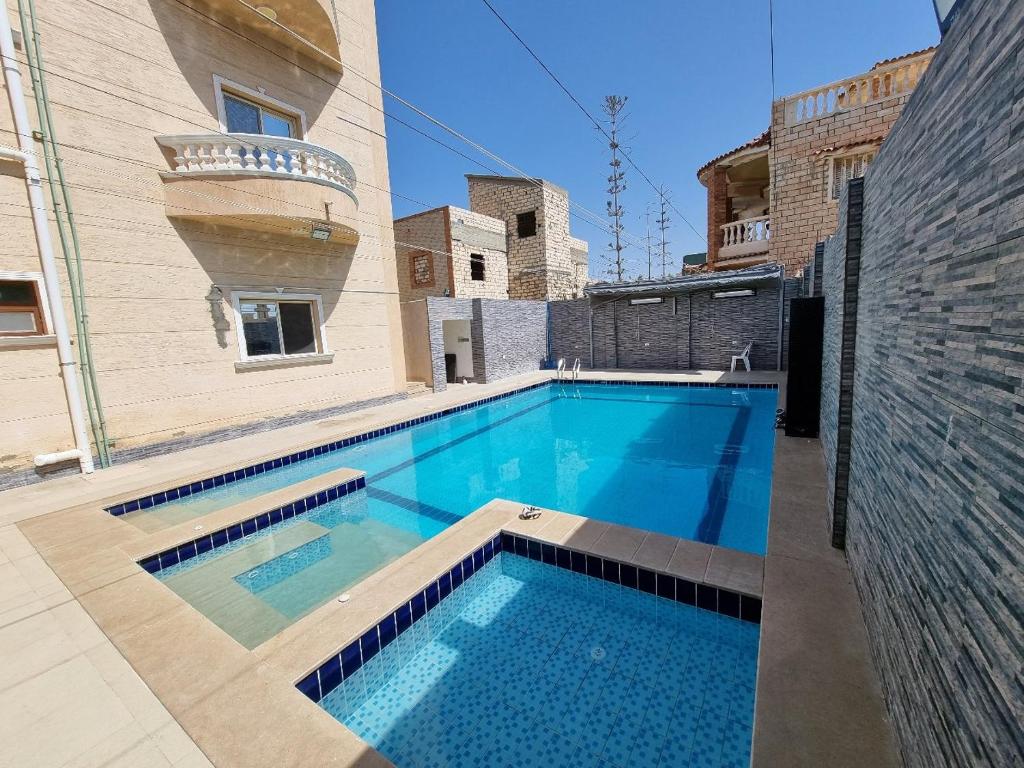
245 154
745 237
887 81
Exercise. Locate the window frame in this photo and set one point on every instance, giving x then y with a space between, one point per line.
519 225
222 85
477 260
41 310
866 150
319 324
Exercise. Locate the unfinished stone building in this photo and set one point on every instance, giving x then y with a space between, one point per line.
513 243
773 198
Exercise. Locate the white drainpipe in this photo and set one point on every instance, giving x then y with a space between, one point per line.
40 221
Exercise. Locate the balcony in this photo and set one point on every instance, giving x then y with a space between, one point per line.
886 80
301 25
266 183
744 242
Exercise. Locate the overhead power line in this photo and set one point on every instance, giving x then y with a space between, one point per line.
583 109
595 218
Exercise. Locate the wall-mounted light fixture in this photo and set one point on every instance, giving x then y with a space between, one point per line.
320 232
732 294
652 300
946 12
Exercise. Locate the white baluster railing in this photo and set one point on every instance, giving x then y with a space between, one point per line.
887 81
746 236
246 153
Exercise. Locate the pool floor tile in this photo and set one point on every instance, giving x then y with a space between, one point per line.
533 666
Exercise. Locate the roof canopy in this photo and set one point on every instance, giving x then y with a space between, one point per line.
737 278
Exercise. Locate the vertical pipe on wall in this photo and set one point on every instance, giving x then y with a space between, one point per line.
72 256
41 224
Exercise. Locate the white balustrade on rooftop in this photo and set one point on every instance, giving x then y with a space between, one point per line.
898 78
244 153
745 237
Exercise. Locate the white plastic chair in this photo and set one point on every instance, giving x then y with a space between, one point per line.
742 357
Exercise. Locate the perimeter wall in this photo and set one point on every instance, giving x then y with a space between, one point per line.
934 512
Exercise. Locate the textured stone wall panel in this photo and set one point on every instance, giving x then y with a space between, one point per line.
935 537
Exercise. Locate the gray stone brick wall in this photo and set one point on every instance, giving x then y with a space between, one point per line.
838 266
570 331
720 328
791 290
685 332
508 337
936 488
514 336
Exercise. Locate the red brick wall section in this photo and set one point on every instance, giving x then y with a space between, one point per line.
718 209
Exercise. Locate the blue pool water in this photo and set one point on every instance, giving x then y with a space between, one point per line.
690 462
530 665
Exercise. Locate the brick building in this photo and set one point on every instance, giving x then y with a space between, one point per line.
513 243
774 197
473 283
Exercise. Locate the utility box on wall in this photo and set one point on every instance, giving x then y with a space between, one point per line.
803 383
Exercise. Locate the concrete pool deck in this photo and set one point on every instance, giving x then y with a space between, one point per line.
192 695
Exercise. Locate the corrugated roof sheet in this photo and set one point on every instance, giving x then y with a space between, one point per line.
688 283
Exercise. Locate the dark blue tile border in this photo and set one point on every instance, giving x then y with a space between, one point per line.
716 599
343 664
325 678
189 489
188 550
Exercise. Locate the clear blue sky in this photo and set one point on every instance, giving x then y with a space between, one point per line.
696 73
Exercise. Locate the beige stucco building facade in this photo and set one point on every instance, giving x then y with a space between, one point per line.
229 189
773 198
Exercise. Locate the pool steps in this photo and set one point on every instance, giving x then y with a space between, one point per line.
242 519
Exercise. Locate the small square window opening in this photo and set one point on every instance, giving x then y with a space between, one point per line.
476 266
526 224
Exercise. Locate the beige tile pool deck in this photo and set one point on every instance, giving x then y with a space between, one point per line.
104 665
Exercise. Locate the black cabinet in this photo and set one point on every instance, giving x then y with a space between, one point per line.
803 382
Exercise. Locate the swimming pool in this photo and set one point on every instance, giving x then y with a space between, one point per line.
527 664
693 462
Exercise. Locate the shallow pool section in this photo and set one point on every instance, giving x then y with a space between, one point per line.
256 578
528 664
689 461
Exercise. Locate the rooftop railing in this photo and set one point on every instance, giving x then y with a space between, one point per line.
883 82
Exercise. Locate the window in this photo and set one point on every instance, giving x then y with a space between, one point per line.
21 307
476 266
526 224
842 169
421 269
279 325
243 110
244 116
